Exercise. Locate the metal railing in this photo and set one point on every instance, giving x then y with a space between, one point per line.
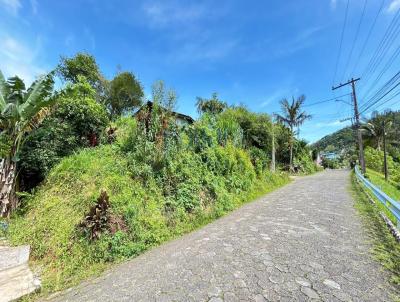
392 205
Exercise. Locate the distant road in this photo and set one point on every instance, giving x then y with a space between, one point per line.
304 241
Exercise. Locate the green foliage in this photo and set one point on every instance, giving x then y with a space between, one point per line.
125 94
304 162
21 109
292 116
5 144
82 64
76 121
330 163
188 191
391 188
374 161
385 247
211 106
340 140
201 136
256 127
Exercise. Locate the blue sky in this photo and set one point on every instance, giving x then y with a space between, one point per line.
250 52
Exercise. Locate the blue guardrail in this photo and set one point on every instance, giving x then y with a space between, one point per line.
392 205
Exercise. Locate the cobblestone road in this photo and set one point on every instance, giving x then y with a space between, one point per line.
299 243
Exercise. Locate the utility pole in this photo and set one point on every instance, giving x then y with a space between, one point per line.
357 120
384 151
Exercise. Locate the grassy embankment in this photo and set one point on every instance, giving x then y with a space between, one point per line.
389 187
385 248
50 220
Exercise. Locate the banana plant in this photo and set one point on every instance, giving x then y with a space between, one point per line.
21 110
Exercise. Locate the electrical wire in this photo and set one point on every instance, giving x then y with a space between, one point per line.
355 39
325 101
368 36
341 41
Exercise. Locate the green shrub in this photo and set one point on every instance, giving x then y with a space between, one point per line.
186 192
374 160
77 121
305 163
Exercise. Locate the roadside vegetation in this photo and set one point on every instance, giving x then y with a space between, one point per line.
391 188
385 248
99 175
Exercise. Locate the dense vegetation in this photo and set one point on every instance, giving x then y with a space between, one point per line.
337 141
97 185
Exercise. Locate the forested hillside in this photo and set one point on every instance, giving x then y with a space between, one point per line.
372 130
336 141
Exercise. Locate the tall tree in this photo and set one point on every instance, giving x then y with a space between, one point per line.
211 106
82 64
375 128
125 94
292 116
21 110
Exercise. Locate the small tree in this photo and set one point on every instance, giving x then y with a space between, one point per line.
21 110
292 116
211 106
125 94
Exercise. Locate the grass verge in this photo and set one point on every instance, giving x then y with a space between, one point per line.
385 248
389 187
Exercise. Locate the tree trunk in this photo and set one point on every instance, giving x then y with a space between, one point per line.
273 165
291 149
8 199
378 144
385 167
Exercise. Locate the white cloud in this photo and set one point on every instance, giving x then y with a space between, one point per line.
12 6
203 49
19 59
329 124
161 13
393 6
276 96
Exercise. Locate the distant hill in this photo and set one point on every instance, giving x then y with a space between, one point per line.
337 141
344 139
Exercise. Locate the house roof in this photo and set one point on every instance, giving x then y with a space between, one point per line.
149 104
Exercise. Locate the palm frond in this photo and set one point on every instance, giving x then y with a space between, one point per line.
3 92
37 97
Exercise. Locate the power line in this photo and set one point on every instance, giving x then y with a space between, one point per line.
385 68
325 101
388 100
368 36
341 41
355 38
382 92
382 48
377 101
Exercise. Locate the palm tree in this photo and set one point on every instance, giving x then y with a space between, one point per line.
21 110
375 128
292 116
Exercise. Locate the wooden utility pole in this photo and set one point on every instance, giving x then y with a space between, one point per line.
357 120
384 152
